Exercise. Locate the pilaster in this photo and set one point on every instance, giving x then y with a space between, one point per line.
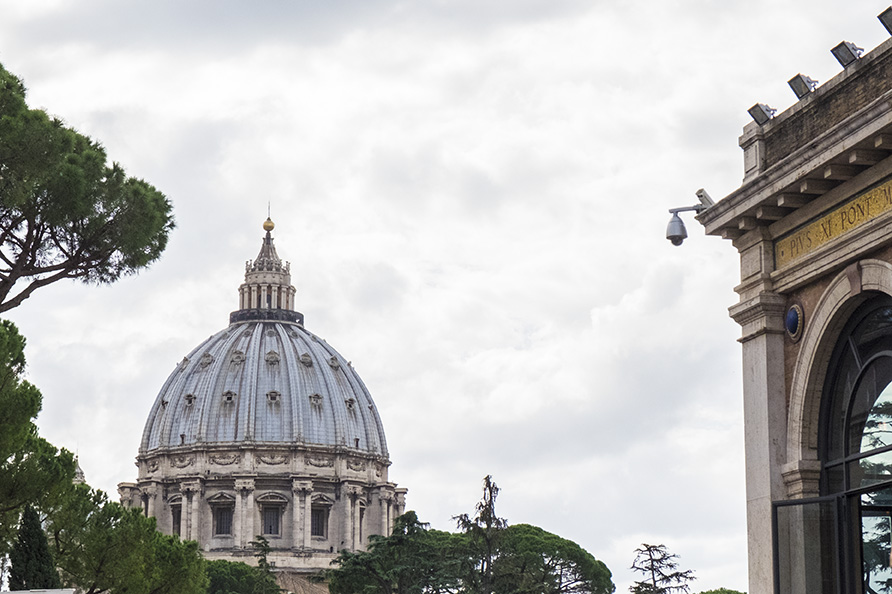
765 415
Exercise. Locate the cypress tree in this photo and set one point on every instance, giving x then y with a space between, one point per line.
31 564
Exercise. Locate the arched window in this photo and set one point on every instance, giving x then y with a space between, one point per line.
855 445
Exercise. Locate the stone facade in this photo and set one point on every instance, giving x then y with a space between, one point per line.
265 429
813 225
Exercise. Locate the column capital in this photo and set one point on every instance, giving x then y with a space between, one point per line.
191 486
763 314
802 478
244 484
299 486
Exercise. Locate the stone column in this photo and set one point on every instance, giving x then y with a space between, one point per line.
191 510
184 517
308 518
347 529
765 422
386 512
243 518
150 491
249 520
299 526
399 496
237 519
196 516
352 530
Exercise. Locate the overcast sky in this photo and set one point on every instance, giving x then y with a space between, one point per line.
473 197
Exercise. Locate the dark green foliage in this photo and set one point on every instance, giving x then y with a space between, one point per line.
483 532
101 546
31 564
533 561
32 471
660 571
487 557
412 560
261 551
227 577
64 212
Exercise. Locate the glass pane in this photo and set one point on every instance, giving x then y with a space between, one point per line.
807 549
873 332
871 470
870 420
835 421
876 540
878 428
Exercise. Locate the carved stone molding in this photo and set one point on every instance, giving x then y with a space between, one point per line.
206 360
152 465
237 358
272 358
273 459
224 459
321 462
182 461
356 465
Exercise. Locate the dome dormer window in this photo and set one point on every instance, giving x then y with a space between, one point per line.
306 360
229 397
273 396
190 399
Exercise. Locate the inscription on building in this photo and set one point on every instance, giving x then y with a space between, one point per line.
839 221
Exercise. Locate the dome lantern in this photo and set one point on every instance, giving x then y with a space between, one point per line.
267 293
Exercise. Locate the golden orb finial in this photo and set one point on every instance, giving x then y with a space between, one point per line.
268 224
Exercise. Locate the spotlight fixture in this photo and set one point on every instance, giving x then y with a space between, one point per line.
846 53
761 113
802 85
886 18
676 232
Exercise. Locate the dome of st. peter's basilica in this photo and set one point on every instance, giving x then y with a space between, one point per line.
265 429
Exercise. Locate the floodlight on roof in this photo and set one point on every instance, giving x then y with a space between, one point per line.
761 113
802 85
846 53
886 18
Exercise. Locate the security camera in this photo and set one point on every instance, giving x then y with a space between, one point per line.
675 232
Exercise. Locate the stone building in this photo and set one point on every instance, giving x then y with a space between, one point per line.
812 222
265 429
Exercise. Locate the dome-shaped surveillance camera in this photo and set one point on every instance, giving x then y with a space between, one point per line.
675 232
